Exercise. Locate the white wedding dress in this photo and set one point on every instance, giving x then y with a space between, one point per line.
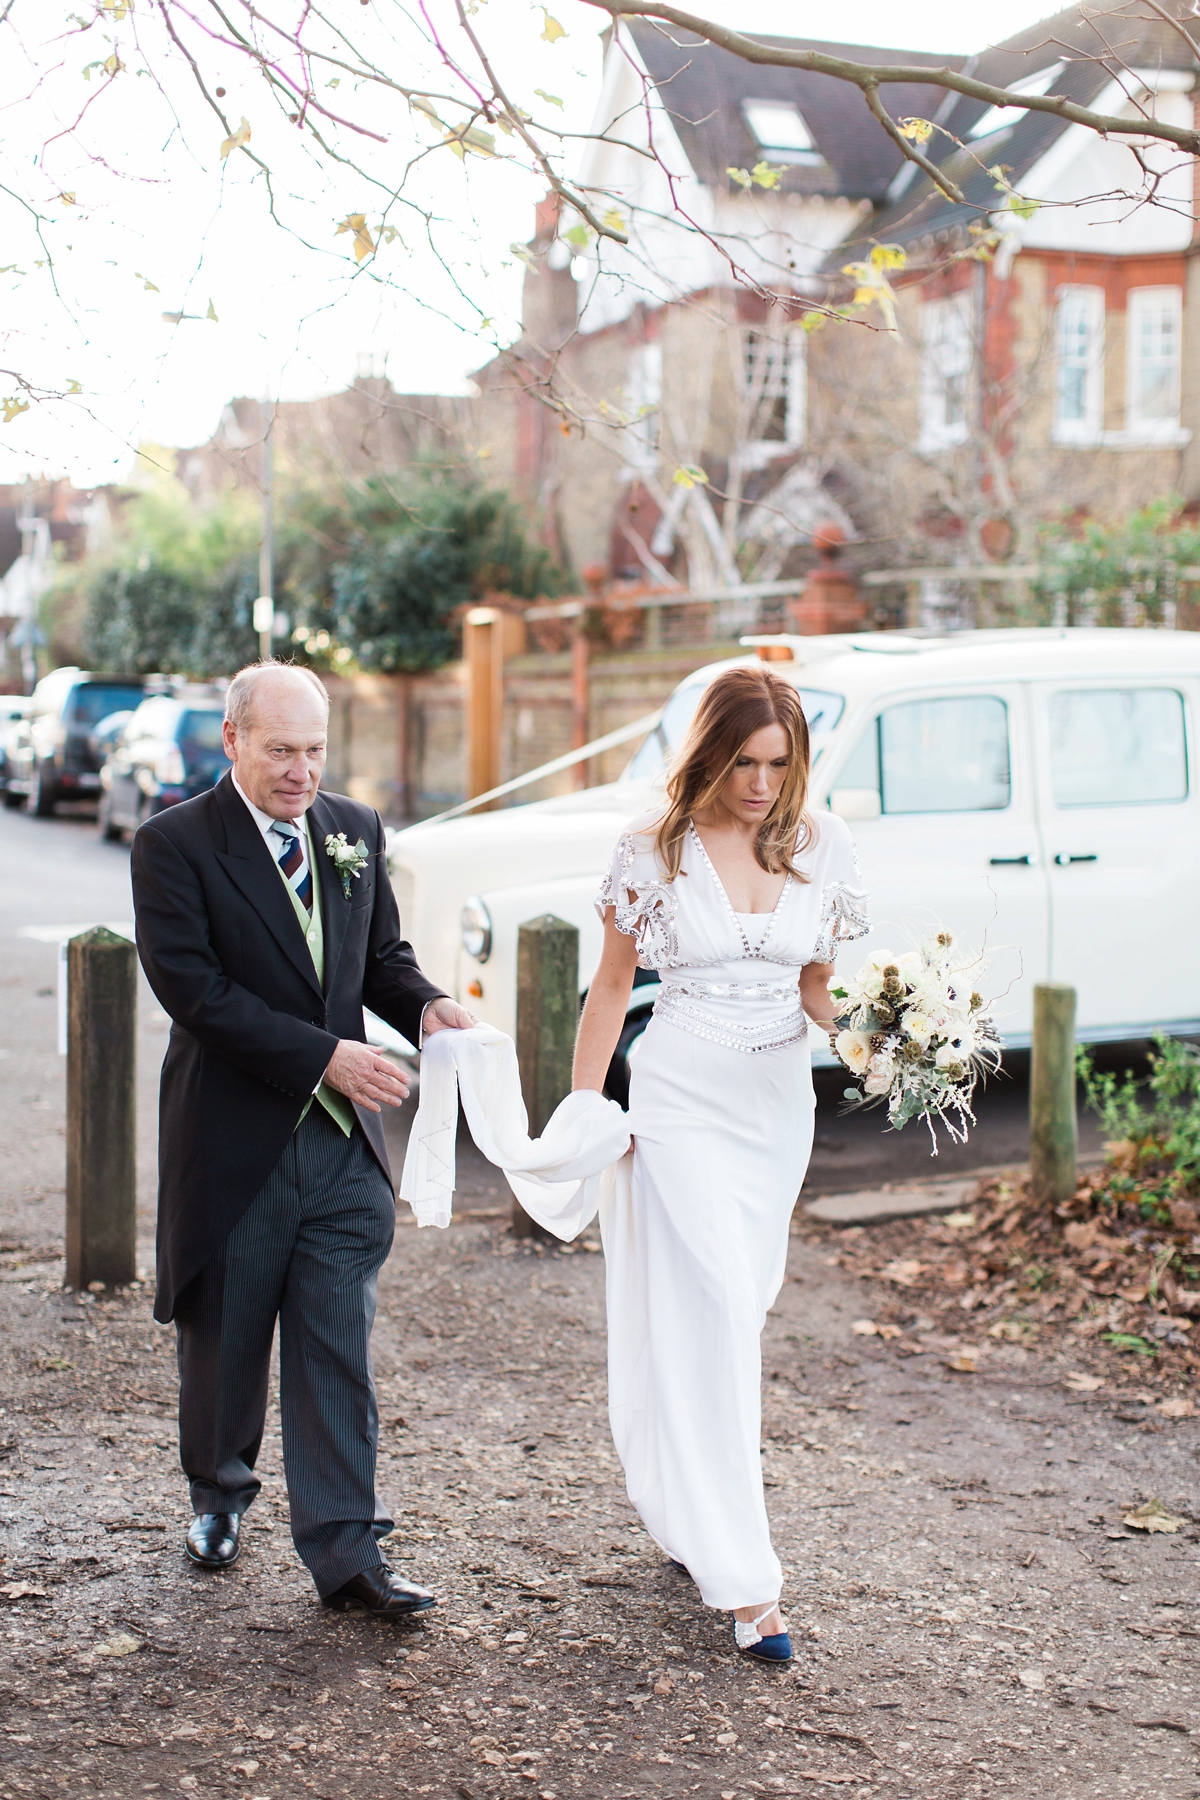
694 1188
721 1114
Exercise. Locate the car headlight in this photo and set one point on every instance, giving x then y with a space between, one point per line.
476 928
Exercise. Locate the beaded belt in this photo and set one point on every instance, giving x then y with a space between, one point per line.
675 1004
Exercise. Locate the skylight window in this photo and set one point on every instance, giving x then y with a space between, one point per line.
998 118
780 130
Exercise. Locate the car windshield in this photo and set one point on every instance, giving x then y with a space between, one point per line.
202 730
94 702
822 709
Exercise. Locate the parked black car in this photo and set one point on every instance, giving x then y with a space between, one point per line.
56 760
169 750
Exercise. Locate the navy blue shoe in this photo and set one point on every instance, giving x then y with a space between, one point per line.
682 1567
777 1648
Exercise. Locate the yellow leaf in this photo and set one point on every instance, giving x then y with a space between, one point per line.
120 1644
239 139
212 314
614 220
482 141
364 243
453 144
117 9
13 406
689 476
550 99
888 256
552 30
147 285
76 387
578 237
112 64
388 234
813 321
1152 1516
67 198
741 176
917 131
764 175
524 254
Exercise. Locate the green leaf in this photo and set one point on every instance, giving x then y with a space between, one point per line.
550 99
689 475
764 176
579 236
212 314
741 176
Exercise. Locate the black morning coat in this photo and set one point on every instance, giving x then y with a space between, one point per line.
251 1031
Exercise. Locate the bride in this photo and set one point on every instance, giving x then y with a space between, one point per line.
738 898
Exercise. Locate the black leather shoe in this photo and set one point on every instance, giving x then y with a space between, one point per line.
212 1540
381 1592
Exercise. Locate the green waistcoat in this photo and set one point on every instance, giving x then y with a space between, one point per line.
336 1105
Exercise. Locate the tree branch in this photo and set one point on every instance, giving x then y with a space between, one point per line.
864 75
951 190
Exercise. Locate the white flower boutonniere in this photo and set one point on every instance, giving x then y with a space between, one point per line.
348 859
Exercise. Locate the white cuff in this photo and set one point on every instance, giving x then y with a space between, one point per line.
421 1028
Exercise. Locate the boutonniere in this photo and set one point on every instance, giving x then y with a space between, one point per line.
348 859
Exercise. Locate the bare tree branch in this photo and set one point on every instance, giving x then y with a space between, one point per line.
864 75
951 190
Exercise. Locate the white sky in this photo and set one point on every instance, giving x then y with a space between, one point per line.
154 204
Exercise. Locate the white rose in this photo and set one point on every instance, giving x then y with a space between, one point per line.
918 1026
881 1072
854 1048
951 1057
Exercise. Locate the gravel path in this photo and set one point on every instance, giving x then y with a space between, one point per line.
970 1616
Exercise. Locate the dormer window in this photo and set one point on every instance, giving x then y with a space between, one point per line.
999 118
780 132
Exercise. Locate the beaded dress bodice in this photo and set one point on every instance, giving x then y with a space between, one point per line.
728 977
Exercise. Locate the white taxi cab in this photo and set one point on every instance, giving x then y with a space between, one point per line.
1031 789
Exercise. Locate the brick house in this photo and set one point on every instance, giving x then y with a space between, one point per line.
1054 376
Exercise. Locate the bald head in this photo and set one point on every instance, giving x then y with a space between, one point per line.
276 736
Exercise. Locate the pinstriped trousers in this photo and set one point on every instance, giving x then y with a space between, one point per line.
306 1252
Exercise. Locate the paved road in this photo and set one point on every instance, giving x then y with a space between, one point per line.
56 871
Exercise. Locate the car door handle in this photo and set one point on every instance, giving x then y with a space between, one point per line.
1064 861
1011 862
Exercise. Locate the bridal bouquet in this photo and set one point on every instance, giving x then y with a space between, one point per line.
918 1034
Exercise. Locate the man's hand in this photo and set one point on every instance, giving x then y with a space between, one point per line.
365 1076
447 1015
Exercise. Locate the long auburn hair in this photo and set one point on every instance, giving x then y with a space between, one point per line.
732 708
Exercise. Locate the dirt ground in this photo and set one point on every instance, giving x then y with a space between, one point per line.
970 1615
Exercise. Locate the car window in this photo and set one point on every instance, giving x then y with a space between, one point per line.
944 755
1117 747
822 709
93 702
202 730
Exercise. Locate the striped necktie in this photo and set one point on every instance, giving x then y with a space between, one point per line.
293 860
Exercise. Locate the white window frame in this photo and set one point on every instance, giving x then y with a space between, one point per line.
790 384
1086 303
802 151
1168 302
939 431
643 389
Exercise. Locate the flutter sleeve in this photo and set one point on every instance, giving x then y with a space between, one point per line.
844 913
644 905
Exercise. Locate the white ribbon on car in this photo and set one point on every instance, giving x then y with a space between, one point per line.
560 1178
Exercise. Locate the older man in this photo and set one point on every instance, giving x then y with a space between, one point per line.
265 922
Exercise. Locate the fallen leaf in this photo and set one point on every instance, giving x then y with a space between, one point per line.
1082 1236
965 1363
1082 1384
959 1221
1152 1516
903 1271
865 1328
1177 1408
22 1590
120 1644
664 1685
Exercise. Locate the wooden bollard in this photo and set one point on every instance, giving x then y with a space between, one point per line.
547 1020
1053 1128
101 1109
